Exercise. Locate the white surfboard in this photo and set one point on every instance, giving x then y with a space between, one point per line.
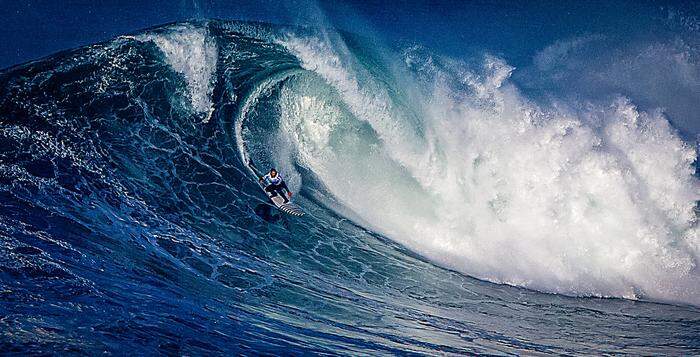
289 207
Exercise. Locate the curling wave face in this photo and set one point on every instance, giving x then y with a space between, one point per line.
126 206
598 200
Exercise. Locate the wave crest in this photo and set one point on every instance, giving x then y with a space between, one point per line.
583 198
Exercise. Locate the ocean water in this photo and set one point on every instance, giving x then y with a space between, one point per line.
449 210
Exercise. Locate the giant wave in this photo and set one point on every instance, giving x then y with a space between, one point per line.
125 194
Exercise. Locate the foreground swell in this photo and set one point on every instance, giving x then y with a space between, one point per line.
129 224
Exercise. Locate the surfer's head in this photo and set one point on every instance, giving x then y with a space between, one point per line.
273 172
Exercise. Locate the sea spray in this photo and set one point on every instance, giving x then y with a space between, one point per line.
594 202
191 52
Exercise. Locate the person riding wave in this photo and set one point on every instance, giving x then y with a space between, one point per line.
274 184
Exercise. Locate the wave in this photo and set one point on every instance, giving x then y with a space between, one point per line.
126 199
592 199
191 52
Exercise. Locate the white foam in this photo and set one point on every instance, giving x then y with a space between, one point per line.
367 99
191 52
595 201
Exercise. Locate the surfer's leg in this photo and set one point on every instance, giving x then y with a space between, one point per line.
272 190
282 187
283 194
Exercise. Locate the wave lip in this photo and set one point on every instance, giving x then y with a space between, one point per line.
192 52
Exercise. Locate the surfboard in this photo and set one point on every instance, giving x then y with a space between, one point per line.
288 208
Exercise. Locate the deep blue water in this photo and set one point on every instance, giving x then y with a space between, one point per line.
130 225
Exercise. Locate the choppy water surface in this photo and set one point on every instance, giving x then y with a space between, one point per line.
130 225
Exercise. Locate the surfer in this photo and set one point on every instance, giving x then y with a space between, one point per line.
274 184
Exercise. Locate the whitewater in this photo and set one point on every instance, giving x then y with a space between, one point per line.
442 200
596 201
